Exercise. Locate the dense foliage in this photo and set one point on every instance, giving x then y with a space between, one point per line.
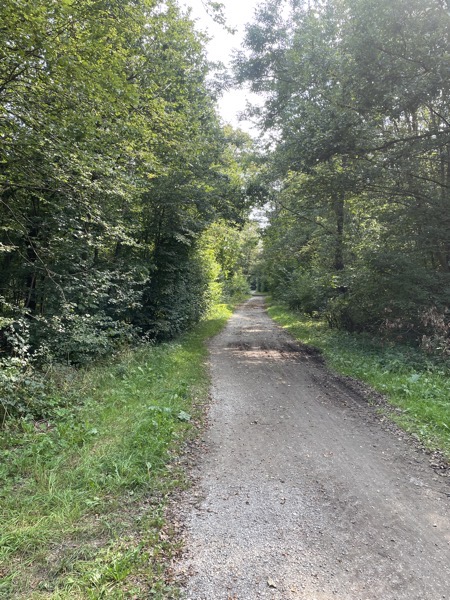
356 110
112 164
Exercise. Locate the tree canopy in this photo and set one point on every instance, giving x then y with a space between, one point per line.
123 199
356 109
113 162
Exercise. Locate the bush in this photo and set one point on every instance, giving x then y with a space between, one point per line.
177 294
23 389
308 291
237 287
78 339
390 295
436 339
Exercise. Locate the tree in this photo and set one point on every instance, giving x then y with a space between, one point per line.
112 163
356 101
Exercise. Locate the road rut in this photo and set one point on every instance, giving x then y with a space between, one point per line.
302 494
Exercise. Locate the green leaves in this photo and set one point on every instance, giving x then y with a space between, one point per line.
183 416
357 106
112 164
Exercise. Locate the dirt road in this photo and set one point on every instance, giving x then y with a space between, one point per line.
302 492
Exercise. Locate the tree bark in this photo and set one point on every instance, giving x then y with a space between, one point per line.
338 203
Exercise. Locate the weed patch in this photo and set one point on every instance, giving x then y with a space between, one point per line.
409 379
83 493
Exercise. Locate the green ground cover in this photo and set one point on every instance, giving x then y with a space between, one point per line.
417 384
82 495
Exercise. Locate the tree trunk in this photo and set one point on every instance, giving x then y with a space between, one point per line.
31 278
338 204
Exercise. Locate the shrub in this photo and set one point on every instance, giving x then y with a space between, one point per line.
237 287
436 339
308 291
80 338
23 389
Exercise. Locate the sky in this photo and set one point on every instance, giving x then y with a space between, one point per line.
237 13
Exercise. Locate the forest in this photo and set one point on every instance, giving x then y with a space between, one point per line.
133 221
117 185
114 168
125 203
356 116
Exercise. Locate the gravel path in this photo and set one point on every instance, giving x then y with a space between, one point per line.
301 493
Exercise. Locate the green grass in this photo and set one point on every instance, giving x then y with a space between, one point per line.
82 496
409 379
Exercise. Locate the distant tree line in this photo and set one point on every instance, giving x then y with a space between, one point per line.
356 113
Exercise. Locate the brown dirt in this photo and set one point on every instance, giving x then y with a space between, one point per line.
302 492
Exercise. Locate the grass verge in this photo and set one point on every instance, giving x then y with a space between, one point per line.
82 496
409 379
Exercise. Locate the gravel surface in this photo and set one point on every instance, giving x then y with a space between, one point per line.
301 492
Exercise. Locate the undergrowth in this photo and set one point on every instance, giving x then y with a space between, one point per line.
412 381
83 493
